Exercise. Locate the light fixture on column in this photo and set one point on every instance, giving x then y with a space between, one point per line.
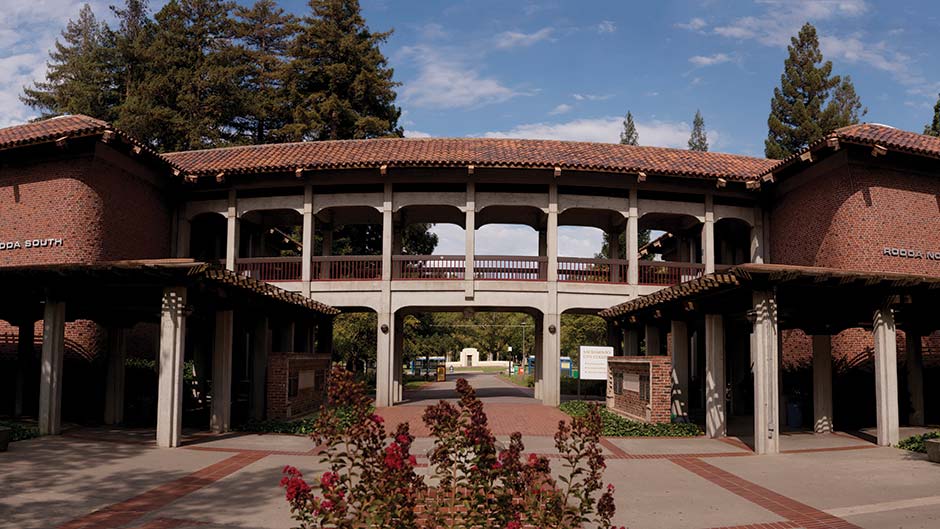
551 329
384 328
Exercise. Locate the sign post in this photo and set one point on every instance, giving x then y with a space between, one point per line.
592 361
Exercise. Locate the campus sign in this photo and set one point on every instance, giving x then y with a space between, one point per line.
30 243
593 362
909 253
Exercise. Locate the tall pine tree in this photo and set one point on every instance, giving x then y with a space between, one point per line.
933 128
130 40
190 96
78 80
629 135
340 83
698 141
265 32
804 107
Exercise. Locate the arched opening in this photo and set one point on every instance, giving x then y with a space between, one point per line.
348 244
271 245
590 248
732 242
207 237
674 253
579 330
416 255
511 244
354 342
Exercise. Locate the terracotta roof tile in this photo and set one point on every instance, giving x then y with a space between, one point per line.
483 152
49 130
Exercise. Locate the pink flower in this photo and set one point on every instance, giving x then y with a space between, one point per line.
377 418
328 480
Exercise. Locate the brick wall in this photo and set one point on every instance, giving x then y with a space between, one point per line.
283 366
654 403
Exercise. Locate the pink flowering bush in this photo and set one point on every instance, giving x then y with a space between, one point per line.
472 482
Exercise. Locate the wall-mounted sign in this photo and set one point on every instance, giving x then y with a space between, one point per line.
30 243
593 360
910 253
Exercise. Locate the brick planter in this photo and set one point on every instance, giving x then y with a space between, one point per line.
640 387
933 450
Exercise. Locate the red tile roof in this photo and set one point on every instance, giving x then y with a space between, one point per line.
50 130
482 152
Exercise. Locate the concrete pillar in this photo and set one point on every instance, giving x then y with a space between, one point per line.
470 225
757 237
631 342
221 413
822 383
615 338
50 381
633 239
306 273
914 361
551 360
398 343
764 354
539 355
886 377
231 233
680 369
613 251
552 234
183 233
715 421
653 342
170 383
384 361
260 348
708 235
24 359
387 235
114 383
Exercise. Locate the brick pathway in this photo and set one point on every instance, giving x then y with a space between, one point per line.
504 419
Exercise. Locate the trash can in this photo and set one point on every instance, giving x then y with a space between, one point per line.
441 374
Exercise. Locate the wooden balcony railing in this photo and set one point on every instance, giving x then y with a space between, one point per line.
588 270
271 269
429 267
667 273
510 268
346 268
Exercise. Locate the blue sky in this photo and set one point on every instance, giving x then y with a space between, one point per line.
570 70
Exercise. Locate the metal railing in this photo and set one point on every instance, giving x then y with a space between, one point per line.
510 268
589 270
429 267
271 269
667 273
346 268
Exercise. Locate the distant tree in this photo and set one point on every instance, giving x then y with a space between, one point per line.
643 238
629 135
354 339
698 141
264 32
804 107
79 77
339 81
933 128
131 39
581 329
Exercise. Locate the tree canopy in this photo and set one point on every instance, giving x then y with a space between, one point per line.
629 135
933 128
698 141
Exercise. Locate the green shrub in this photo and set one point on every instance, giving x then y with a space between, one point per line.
20 431
617 426
918 443
302 426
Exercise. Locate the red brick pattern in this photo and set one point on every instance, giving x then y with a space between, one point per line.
281 366
504 419
658 407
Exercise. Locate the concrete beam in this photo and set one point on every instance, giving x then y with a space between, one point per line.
716 424
114 383
765 355
914 362
220 418
822 383
170 383
53 355
680 369
886 377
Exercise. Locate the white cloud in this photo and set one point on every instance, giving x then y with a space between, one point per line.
508 239
604 130
709 60
445 80
505 239
875 54
693 25
560 109
591 97
782 19
606 26
416 134
579 241
515 39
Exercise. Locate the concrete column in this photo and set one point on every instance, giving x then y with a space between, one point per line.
50 381
886 377
551 361
306 273
398 343
708 235
631 342
764 354
633 239
552 234
170 384
231 233
183 233
914 361
715 421
387 235
539 355
757 237
24 359
615 338
470 225
653 343
114 384
260 348
221 413
384 360
822 383
680 369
